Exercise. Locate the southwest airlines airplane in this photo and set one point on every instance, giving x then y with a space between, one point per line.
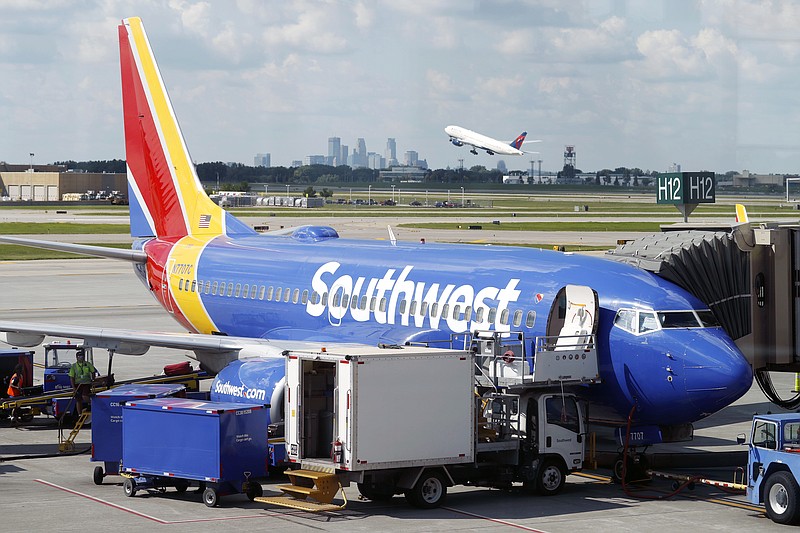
242 295
460 136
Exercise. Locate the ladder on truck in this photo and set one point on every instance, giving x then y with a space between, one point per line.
310 490
68 444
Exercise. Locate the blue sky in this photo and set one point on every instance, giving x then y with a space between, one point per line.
708 84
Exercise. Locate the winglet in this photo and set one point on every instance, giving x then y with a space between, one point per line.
517 143
741 214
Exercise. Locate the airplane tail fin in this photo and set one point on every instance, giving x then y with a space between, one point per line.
741 214
166 196
517 143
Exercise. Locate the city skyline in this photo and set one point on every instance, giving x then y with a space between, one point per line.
709 84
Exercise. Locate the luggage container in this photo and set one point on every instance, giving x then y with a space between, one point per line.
171 442
107 422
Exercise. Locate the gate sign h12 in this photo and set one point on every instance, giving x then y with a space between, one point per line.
681 188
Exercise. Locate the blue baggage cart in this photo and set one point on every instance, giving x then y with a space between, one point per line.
171 442
107 422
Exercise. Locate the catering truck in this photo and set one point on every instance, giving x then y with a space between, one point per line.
416 420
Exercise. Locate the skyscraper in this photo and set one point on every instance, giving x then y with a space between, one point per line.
261 160
391 152
335 151
412 158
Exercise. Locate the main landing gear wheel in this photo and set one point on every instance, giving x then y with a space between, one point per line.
210 497
551 478
129 487
98 475
781 494
429 492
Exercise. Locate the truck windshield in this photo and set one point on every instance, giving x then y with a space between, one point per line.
764 434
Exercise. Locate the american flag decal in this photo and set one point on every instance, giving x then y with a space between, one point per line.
205 221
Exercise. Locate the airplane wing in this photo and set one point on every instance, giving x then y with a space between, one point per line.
216 350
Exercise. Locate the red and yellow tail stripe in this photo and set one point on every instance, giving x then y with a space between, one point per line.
163 178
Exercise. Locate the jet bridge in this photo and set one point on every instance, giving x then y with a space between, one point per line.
749 276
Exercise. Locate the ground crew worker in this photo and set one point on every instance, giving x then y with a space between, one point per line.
81 374
15 385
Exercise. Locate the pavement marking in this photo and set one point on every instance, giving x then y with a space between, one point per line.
495 520
147 516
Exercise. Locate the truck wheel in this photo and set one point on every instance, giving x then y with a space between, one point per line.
98 475
551 478
181 485
129 487
781 498
429 492
210 497
376 493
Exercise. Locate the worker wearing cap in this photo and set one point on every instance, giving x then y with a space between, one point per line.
15 385
81 374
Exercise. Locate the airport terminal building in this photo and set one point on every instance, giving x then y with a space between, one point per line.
49 183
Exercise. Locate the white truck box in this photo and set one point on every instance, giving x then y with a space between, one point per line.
387 407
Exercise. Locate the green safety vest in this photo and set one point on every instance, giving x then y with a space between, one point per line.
82 373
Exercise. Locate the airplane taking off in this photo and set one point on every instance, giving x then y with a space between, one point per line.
664 362
460 136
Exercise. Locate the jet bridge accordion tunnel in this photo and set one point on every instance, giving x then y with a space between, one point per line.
748 275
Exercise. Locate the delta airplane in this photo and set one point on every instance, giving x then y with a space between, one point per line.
663 360
460 136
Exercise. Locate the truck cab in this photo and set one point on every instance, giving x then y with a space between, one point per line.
58 359
774 466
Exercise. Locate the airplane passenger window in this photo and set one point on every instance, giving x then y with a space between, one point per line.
413 309
208 287
354 302
214 288
261 291
315 297
647 321
382 306
479 314
278 293
238 289
708 319
180 284
363 304
530 319
296 296
253 290
423 309
435 309
372 302
269 293
445 310
624 319
402 306
492 315
677 319
229 290
345 300
468 313
517 318
456 311
324 298
245 290
504 317
286 294
304 300
336 299
194 286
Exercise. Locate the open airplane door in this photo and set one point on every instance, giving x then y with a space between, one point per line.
573 316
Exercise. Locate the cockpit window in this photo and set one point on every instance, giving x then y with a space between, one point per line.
708 319
641 321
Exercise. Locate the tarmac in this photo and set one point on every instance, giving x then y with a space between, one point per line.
56 491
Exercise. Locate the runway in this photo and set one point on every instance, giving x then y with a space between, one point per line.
58 492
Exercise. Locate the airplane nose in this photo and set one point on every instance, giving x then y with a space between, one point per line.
715 372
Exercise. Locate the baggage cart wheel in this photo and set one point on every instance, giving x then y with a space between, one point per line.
429 492
210 497
98 475
129 487
181 485
253 490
